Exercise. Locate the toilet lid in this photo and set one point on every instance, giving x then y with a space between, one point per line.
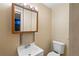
53 54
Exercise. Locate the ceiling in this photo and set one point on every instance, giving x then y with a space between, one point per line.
51 5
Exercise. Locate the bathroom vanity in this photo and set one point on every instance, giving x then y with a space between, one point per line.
30 50
24 19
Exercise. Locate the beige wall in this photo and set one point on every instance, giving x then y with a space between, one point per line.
43 36
60 24
9 41
74 30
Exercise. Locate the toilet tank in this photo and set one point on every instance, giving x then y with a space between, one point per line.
58 47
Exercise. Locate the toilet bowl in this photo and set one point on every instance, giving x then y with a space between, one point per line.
57 49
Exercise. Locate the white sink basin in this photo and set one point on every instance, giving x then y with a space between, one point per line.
30 50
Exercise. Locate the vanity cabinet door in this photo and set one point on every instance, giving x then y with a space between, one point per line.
27 20
30 21
17 19
34 21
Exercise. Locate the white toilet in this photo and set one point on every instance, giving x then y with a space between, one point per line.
57 49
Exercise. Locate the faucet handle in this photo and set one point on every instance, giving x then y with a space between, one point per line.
27 45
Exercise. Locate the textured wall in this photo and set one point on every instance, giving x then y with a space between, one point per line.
9 41
60 24
43 36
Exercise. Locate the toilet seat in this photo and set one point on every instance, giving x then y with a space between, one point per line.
53 54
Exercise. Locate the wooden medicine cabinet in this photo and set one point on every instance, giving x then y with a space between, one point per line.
24 19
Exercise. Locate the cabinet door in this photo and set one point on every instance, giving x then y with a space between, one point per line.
34 21
27 20
19 12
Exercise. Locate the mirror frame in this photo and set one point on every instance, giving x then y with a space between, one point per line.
13 18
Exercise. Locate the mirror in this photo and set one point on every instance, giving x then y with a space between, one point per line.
24 19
